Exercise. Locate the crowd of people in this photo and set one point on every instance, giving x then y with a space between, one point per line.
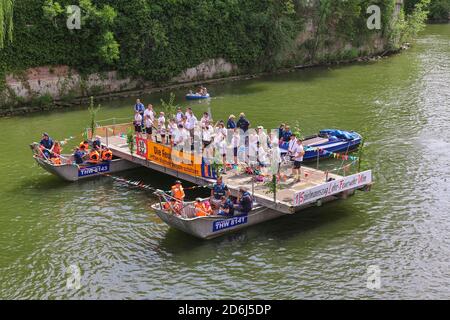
220 202
221 140
84 153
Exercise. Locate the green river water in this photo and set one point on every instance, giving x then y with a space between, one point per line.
402 106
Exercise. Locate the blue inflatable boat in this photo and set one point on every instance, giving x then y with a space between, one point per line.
197 96
327 142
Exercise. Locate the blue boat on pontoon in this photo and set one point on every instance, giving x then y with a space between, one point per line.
328 142
197 96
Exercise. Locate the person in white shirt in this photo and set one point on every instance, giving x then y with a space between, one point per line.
149 119
253 146
298 153
179 116
205 119
235 142
178 136
275 153
162 127
207 133
191 122
291 145
171 128
137 123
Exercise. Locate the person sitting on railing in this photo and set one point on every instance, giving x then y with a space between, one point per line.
226 207
201 210
106 154
46 145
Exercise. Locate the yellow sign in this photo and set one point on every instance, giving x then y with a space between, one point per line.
172 159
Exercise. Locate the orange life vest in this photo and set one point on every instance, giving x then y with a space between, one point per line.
56 161
94 157
178 192
107 155
84 146
201 210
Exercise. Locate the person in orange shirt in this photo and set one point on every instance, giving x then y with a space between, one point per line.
106 154
177 191
57 149
200 209
94 157
84 146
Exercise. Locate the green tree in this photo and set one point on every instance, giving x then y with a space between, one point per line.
6 21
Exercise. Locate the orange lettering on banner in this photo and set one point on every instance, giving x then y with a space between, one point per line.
162 155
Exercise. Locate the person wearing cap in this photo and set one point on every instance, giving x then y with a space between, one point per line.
201 210
218 191
231 124
245 201
46 145
178 191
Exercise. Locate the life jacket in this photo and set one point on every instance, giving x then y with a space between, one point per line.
94 157
56 150
219 190
56 161
84 146
178 192
201 210
107 155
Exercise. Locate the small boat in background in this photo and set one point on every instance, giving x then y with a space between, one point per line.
197 96
327 142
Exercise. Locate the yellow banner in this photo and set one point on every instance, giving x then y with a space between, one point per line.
162 155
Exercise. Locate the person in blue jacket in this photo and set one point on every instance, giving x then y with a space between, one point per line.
231 124
78 156
46 145
226 207
245 201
